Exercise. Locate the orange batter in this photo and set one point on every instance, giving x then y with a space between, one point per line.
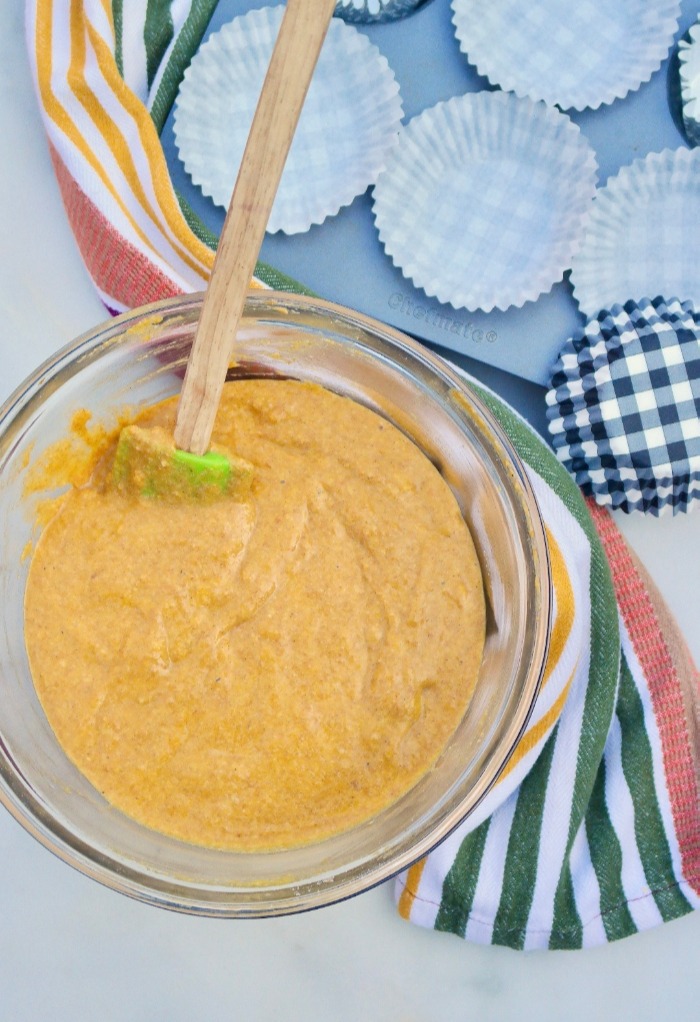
262 673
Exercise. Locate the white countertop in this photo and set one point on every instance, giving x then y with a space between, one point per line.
71 950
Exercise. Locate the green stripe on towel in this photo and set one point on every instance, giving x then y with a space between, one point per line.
157 35
459 887
606 858
567 929
188 39
637 765
520 871
118 20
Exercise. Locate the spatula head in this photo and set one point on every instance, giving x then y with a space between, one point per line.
148 464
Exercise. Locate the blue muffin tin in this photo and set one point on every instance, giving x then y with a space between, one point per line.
343 260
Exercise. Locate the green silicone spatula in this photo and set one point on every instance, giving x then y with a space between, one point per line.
148 461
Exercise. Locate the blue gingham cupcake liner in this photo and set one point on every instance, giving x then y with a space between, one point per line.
642 237
576 55
368 11
624 404
485 199
349 122
689 71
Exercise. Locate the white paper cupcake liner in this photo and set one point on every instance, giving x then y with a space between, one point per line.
368 11
485 198
642 237
574 55
349 122
689 70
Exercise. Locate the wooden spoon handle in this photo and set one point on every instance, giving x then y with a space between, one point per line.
303 29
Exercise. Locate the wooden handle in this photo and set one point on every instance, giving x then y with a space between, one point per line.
303 29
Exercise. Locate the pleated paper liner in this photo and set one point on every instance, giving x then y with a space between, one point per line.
485 199
623 406
349 122
689 70
643 235
574 55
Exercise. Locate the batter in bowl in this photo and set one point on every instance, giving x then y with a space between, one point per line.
262 673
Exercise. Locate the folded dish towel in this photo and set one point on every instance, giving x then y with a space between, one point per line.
593 831
600 837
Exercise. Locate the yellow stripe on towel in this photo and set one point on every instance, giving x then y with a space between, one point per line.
408 895
565 606
151 148
63 121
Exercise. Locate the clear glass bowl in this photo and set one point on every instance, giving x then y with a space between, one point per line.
138 359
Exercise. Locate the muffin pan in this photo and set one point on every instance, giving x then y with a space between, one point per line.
343 259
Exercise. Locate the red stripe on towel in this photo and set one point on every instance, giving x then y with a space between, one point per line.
660 671
118 269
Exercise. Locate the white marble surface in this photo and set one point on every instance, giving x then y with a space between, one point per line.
71 950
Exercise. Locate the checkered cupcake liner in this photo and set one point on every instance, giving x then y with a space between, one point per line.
642 237
689 72
485 199
368 11
624 404
619 487
350 120
575 56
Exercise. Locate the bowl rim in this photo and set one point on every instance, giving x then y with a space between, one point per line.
17 795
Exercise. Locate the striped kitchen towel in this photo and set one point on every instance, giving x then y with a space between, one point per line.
600 837
106 75
593 831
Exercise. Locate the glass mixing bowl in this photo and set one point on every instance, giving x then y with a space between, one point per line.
138 359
